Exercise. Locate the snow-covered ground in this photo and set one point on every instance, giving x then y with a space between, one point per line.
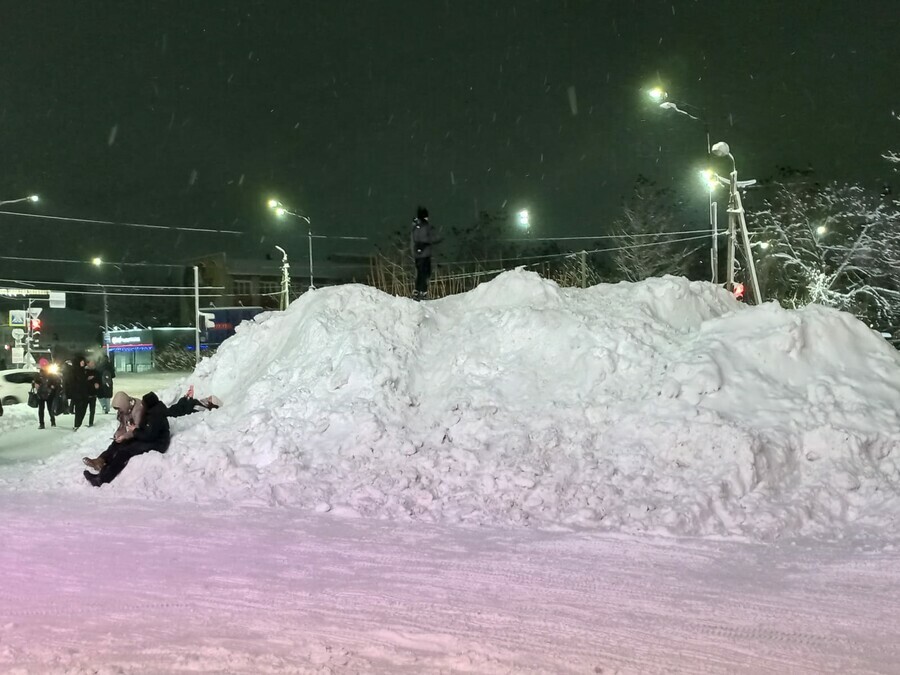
155 587
643 477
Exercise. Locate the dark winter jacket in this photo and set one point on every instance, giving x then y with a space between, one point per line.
105 375
46 385
80 387
155 425
422 238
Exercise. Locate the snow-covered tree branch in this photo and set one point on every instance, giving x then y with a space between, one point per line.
836 245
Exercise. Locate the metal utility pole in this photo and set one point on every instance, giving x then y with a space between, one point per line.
285 279
309 233
737 218
196 315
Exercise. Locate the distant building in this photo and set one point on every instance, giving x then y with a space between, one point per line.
256 282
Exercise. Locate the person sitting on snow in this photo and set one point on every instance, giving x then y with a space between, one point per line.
131 414
152 433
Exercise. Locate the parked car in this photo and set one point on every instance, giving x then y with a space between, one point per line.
15 385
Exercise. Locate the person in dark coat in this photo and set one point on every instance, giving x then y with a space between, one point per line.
81 392
105 374
152 434
66 394
422 239
47 386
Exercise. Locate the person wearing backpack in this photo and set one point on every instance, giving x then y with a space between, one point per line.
46 386
422 239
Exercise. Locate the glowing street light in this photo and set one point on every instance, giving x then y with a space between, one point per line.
31 198
661 97
96 261
821 229
710 179
280 210
523 219
764 245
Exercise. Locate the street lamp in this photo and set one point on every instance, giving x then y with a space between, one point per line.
97 261
30 198
523 219
737 216
661 97
280 210
821 229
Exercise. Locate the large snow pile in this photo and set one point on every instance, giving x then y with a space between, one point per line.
663 405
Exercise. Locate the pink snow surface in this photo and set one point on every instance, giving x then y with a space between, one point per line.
156 587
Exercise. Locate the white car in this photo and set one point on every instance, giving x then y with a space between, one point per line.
15 385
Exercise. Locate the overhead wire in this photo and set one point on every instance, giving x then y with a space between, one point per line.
119 223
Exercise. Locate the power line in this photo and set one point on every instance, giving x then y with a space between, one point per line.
88 262
610 236
106 285
121 224
592 251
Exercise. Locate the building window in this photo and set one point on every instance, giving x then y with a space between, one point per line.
242 287
269 288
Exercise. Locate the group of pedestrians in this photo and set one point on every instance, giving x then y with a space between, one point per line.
73 389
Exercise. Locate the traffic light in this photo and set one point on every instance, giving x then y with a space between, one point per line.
738 291
35 325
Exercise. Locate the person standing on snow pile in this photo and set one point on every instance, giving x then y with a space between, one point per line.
422 239
47 386
151 434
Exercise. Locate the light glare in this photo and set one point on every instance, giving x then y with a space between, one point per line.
273 203
97 261
657 94
821 229
523 219
34 198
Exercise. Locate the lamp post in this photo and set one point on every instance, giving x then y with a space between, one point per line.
285 279
280 210
661 97
97 262
30 198
737 216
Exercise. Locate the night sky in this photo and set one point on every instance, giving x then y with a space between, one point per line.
192 113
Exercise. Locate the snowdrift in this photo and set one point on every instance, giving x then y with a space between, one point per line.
660 406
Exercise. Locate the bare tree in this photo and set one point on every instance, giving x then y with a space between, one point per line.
648 234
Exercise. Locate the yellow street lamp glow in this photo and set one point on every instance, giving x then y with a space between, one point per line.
657 94
53 369
709 177
764 245
273 203
280 211
523 218
821 229
97 261
34 198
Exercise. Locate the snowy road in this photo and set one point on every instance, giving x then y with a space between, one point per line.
122 586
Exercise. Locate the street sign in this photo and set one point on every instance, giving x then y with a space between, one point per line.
17 317
18 355
18 333
57 299
35 312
